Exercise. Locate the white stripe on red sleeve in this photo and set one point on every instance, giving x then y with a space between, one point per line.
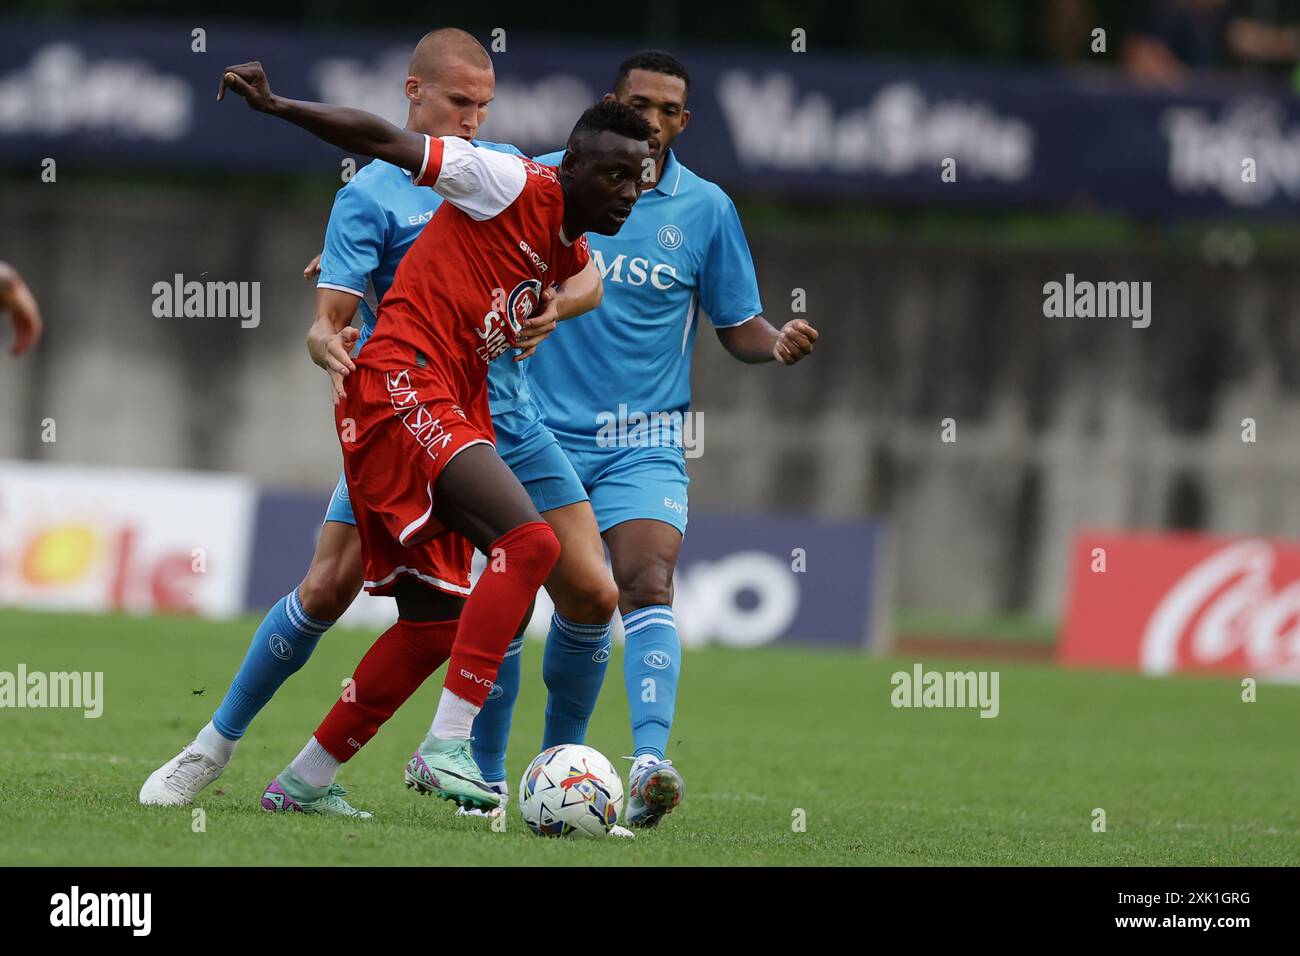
431 168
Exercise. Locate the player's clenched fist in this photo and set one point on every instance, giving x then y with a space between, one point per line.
539 325
794 341
249 81
18 301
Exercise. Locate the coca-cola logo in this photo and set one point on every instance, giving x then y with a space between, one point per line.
1224 613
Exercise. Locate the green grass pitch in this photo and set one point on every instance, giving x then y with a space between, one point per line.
1186 772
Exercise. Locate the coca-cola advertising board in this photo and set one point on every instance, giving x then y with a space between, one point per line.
1168 603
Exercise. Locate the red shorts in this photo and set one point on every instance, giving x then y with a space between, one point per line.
398 430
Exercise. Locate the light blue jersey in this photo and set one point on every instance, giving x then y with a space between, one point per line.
376 217
681 255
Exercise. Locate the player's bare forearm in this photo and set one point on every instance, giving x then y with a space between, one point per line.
751 341
757 340
331 337
353 130
335 310
579 293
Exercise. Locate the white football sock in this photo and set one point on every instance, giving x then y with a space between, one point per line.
316 765
214 746
454 718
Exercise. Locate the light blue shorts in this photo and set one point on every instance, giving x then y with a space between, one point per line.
629 483
527 446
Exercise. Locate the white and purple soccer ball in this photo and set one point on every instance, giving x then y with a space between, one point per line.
571 789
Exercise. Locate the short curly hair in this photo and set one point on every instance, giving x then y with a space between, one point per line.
610 116
652 61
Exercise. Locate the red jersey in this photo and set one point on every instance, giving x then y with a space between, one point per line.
477 269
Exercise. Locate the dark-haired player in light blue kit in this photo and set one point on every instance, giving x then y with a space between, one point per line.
616 391
376 217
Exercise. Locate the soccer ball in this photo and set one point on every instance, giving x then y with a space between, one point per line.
570 789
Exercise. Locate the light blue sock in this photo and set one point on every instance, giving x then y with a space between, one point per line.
652 664
573 668
492 725
281 644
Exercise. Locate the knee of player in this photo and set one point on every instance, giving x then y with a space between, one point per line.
648 586
591 599
551 548
528 552
603 600
327 592
540 545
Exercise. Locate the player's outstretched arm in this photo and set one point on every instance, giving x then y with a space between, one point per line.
757 340
355 131
580 293
18 301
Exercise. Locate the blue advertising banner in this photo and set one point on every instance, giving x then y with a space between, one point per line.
749 580
742 581
765 122
286 525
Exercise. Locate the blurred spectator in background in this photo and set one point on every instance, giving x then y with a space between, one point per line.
18 301
1174 38
1066 29
1268 35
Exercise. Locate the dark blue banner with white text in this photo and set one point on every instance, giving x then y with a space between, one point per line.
765 122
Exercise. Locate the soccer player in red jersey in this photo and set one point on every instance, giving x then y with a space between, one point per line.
427 485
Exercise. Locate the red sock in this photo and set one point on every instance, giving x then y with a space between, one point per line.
518 564
392 670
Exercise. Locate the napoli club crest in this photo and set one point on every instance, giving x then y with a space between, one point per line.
658 660
280 647
670 237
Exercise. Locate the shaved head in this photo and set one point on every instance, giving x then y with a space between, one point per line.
450 84
439 49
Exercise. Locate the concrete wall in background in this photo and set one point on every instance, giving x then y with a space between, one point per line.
1059 422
